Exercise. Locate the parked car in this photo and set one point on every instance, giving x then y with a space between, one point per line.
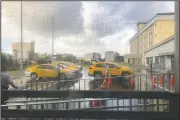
48 71
98 71
73 65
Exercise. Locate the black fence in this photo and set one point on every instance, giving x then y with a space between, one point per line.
85 99
134 110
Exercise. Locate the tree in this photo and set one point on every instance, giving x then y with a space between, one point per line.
69 58
59 57
3 60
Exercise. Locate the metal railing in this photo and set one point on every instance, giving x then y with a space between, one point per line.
77 104
86 95
142 83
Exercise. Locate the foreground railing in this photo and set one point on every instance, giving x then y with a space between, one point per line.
131 111
142 83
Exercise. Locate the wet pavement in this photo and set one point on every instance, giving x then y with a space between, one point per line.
81 83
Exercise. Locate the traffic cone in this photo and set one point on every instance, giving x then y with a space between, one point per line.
105 83
171 81
161 81
109 82
154 82
94 103
132 83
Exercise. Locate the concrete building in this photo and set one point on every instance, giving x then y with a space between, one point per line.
159 28
27 49
110 56
161 55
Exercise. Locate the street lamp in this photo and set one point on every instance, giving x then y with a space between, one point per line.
53 18
21 66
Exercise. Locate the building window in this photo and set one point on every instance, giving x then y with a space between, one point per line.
147 60
157 60
162 60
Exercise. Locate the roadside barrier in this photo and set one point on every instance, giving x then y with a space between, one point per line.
132 82
161 81
154 82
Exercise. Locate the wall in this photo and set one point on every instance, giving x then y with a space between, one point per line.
109 56
163 29
134 46
27 47
140 26
164 48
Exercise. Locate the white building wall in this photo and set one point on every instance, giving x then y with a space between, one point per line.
168 62
164 48
109 56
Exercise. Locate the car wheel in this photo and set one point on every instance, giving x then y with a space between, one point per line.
97 75
126 80
62 77
33 76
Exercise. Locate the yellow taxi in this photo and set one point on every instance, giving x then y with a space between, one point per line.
64 65
120 74
48 71
73 65
98 70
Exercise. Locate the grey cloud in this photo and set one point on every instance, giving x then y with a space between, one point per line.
68 18
119 15
144 11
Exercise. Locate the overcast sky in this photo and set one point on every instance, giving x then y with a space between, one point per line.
80 27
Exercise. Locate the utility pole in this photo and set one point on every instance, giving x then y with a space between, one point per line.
53 17
21 66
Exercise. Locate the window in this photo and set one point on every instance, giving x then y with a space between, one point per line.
112 66
157 59
46 67
50 67
41 67
101 65
147 60
162 59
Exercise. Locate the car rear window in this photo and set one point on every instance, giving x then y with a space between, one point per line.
100 65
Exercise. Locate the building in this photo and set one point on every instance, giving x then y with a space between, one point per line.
93 55
110 56
161 55
159 28
28 49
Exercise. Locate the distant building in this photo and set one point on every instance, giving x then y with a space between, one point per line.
149 34
93 55
28 48
110 56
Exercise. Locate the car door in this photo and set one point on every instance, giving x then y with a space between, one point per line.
41 71
51 71
113 70
101 68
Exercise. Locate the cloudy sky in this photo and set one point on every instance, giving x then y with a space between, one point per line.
79 27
